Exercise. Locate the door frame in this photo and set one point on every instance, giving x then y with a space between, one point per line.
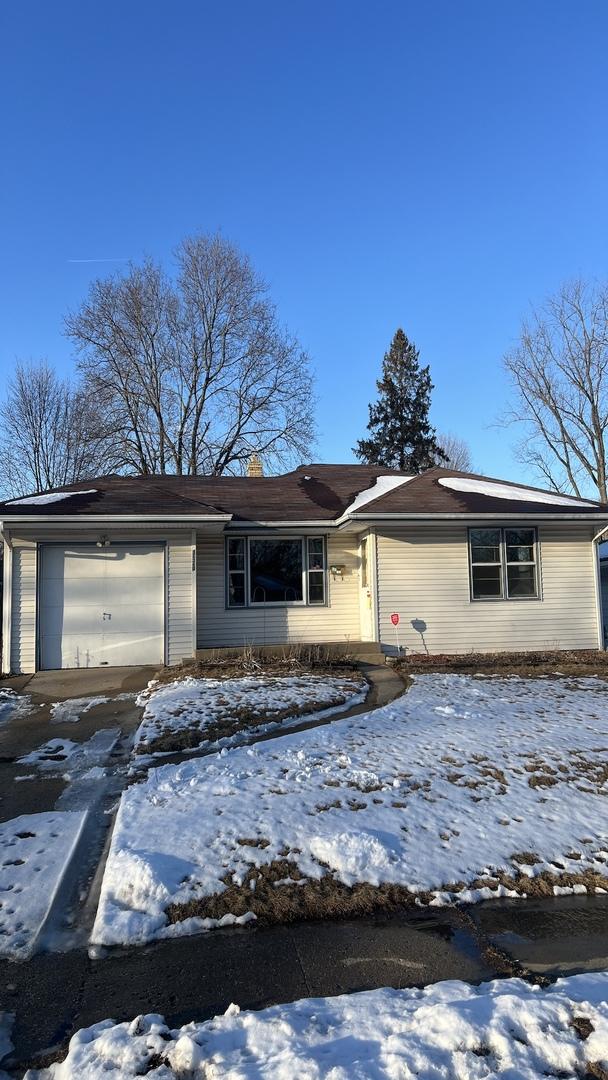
41 544
369 538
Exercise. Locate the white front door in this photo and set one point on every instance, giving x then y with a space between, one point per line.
101 606
366 602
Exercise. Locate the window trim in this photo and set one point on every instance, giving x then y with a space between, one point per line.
504 564
273 604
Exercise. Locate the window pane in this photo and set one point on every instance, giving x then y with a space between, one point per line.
316 587
275 571
315 554
363 550
519 536
236 590
486 581
485 545
521 580
520 545
519 554
236 554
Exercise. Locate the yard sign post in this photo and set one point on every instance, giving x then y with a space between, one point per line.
395 622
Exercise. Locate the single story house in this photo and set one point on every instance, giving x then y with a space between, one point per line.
135 570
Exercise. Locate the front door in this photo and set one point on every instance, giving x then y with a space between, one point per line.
366 602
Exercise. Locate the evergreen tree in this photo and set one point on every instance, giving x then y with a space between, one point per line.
401 436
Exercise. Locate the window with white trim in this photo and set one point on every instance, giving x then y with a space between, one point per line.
275 570
504 564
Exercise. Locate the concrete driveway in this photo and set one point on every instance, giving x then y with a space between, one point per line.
23 734
69 757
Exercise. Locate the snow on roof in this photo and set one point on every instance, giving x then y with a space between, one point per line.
381 486
509 491
50 497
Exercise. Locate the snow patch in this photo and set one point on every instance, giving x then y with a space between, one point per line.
381 486
451 1029
507 491
73 758
49 497
70 711
35 850
13 705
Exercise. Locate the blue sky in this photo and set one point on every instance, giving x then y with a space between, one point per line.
438 166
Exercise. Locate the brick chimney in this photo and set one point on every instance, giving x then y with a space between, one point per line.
254 466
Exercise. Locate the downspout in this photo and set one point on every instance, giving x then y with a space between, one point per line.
598 587
7 599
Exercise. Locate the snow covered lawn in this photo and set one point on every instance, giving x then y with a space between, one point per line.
450 1030
191 712
464 788
35 849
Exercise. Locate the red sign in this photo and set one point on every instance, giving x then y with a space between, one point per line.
395 618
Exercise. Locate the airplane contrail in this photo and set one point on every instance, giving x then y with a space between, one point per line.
96 260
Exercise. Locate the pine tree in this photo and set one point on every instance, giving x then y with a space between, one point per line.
401 436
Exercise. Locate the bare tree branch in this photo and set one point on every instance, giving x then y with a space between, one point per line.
195 373
457 452
559 370
51 433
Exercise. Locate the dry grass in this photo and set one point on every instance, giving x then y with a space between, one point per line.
282 895
284 660
278 892
574 662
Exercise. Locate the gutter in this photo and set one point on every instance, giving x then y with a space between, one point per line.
7 599
117 519
531 516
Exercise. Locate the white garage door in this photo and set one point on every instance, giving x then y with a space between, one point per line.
101 606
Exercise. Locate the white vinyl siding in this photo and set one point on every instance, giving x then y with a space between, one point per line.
218 626
23 611
181 579
423 573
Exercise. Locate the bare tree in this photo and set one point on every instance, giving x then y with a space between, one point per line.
50 433
559 370
194 371
457 452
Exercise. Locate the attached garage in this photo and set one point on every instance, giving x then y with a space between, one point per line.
101 606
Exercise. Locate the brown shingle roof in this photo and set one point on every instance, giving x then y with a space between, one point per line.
424 494
310 493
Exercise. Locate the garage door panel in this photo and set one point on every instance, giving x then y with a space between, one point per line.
135 591
101 605
138 646
146 618
86 591
121 566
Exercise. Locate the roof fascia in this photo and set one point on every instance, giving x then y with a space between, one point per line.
370 519
314 523
109 519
